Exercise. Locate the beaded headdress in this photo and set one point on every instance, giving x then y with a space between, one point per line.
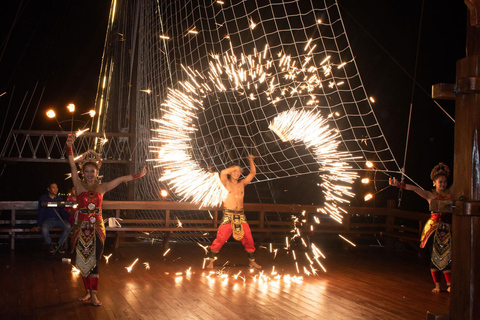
440 169
90 157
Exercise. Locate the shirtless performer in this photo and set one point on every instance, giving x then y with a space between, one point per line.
234 221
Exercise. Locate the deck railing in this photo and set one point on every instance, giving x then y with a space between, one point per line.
266 220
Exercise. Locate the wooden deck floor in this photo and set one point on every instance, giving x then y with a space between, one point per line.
361 283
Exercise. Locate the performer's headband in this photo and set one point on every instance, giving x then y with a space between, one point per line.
90 157
440 169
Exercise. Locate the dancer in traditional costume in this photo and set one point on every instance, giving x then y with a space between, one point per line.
234 221
89 230
436 234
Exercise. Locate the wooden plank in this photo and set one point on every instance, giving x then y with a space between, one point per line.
359 284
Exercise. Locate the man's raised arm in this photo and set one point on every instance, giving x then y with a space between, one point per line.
253 170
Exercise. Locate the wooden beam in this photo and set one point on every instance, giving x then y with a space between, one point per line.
443 91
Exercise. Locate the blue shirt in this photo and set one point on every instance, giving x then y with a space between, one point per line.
49 213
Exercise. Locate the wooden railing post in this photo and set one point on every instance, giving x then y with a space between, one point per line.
261 219
389 225
167 218
215 218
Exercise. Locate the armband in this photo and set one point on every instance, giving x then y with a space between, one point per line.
401 185
69 150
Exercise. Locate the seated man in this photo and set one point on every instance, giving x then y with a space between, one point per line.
48 219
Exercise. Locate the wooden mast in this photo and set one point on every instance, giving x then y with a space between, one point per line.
465 294
465 299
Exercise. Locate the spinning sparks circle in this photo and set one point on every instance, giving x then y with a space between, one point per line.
311 128
274 83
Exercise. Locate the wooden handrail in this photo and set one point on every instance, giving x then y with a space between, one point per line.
389 226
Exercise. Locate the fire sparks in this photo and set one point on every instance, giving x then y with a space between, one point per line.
348 241
247 72
179 223
203 247
166 252
129 269
71 107
147 265
80 132
107 257
75 270
311 129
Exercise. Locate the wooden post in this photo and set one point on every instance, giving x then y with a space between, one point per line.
465 295
215 218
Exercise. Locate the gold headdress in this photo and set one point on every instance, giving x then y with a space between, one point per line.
440 169
90 157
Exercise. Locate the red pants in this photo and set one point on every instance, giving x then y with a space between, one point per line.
225 231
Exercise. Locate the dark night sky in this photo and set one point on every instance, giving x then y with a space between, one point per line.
59 44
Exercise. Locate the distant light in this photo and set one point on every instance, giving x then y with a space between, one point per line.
369 164
164 193
51 113
164 37
319 21
92 113
368 196
372 100
147 91
365 180
220 2
71 107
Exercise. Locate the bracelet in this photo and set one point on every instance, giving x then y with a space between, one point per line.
136 176
69 150
401 185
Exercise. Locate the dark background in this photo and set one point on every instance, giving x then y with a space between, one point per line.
57 46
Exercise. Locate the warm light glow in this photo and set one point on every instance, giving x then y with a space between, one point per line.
164 37
369 164
147 265
365 181
166 252
147 91
71 107
372 100
164 193
51 113
368 196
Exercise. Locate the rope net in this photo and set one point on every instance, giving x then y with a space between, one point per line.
244 63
